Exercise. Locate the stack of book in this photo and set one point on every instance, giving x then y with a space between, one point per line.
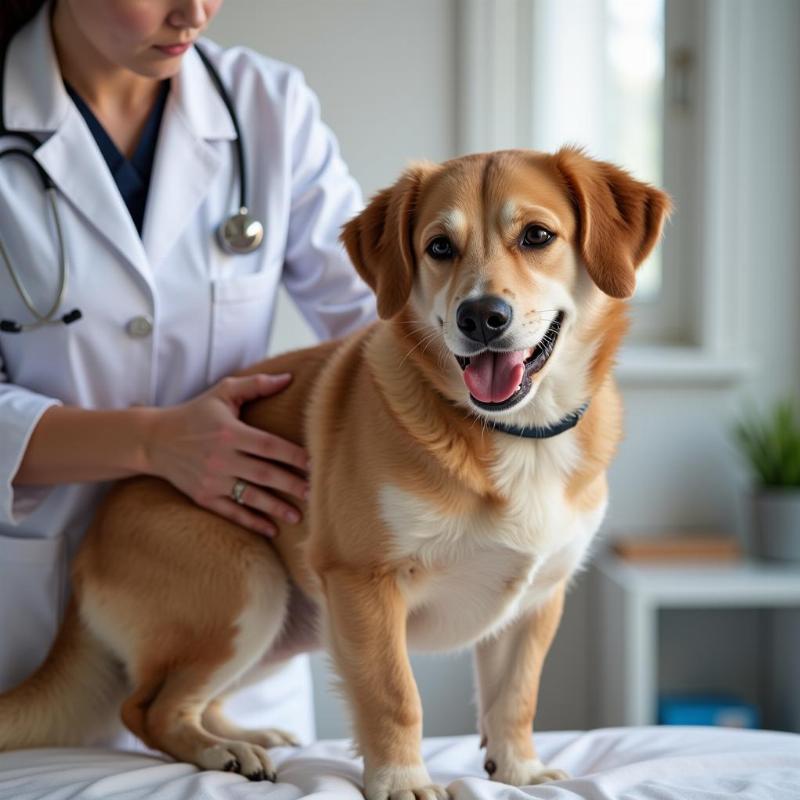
705 547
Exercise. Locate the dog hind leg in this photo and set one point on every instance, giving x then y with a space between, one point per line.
174 722
300 634
216 722
173 686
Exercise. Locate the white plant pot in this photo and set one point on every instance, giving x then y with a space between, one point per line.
776 524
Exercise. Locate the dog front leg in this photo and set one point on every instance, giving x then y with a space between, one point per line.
367 637
508 668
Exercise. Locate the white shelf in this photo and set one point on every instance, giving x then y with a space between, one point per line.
629 597
680 585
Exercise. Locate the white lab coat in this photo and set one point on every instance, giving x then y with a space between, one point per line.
211 312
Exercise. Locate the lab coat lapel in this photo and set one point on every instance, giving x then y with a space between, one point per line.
188 157
36 101
76 165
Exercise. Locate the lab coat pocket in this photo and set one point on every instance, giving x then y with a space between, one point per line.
32 580
241 313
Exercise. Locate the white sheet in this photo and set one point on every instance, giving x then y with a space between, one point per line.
655 763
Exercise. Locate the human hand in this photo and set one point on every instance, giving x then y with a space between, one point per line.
203 449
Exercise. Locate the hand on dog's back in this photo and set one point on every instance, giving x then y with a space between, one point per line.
203 449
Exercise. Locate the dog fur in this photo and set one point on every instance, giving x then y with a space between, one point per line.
425 528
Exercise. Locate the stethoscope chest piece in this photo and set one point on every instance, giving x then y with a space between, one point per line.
240 233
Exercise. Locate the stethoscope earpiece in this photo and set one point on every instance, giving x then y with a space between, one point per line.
12 326
240 233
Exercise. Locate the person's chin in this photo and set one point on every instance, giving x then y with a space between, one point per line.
156 67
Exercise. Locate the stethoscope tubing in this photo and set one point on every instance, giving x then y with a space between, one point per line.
223 93
63 271
240 234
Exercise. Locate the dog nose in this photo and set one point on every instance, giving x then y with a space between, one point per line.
483 319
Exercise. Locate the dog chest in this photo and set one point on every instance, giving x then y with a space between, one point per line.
466 574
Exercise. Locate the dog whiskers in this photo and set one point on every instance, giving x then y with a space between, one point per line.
426 340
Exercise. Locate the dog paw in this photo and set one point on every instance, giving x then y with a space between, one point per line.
522 772
402 783
247 759
273 737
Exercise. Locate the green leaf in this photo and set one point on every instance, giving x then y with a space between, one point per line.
771 444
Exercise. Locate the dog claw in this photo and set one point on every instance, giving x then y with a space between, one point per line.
232 766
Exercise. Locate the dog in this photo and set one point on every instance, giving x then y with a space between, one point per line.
459 448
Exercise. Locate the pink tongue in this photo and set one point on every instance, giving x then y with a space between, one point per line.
494 377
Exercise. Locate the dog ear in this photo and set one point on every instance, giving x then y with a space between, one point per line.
619 218
380 244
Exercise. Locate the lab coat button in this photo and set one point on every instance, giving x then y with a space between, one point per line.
139 327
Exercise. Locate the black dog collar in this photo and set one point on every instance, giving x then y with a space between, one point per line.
544 431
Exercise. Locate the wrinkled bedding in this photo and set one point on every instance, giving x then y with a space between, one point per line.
648 763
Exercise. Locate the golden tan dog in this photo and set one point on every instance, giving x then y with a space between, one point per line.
430 525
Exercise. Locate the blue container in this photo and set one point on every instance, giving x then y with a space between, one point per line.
726 711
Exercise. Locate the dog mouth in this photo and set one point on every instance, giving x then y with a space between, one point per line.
499 379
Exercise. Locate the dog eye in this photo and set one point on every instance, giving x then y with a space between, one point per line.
536 236
440 249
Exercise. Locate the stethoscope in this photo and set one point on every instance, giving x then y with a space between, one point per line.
239 234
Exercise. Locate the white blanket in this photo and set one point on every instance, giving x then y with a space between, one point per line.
655 763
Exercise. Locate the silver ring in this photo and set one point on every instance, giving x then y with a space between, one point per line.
238 490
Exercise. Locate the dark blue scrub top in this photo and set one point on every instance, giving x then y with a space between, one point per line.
132 177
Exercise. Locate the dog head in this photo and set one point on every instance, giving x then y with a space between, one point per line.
493 262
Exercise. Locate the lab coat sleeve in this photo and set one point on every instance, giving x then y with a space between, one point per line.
20 411
317 272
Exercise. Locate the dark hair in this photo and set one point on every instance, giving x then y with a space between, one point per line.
14 15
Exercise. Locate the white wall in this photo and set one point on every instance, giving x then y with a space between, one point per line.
385 72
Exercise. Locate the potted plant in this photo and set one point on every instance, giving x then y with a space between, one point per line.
771 444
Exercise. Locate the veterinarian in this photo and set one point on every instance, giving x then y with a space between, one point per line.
135 278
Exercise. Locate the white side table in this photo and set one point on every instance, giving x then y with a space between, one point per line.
629 597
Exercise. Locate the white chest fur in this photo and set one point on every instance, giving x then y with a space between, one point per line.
472 572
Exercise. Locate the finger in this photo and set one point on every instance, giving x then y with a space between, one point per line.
267 503
263 444
264 473
251 387
242 515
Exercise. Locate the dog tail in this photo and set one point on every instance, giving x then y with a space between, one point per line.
72 699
